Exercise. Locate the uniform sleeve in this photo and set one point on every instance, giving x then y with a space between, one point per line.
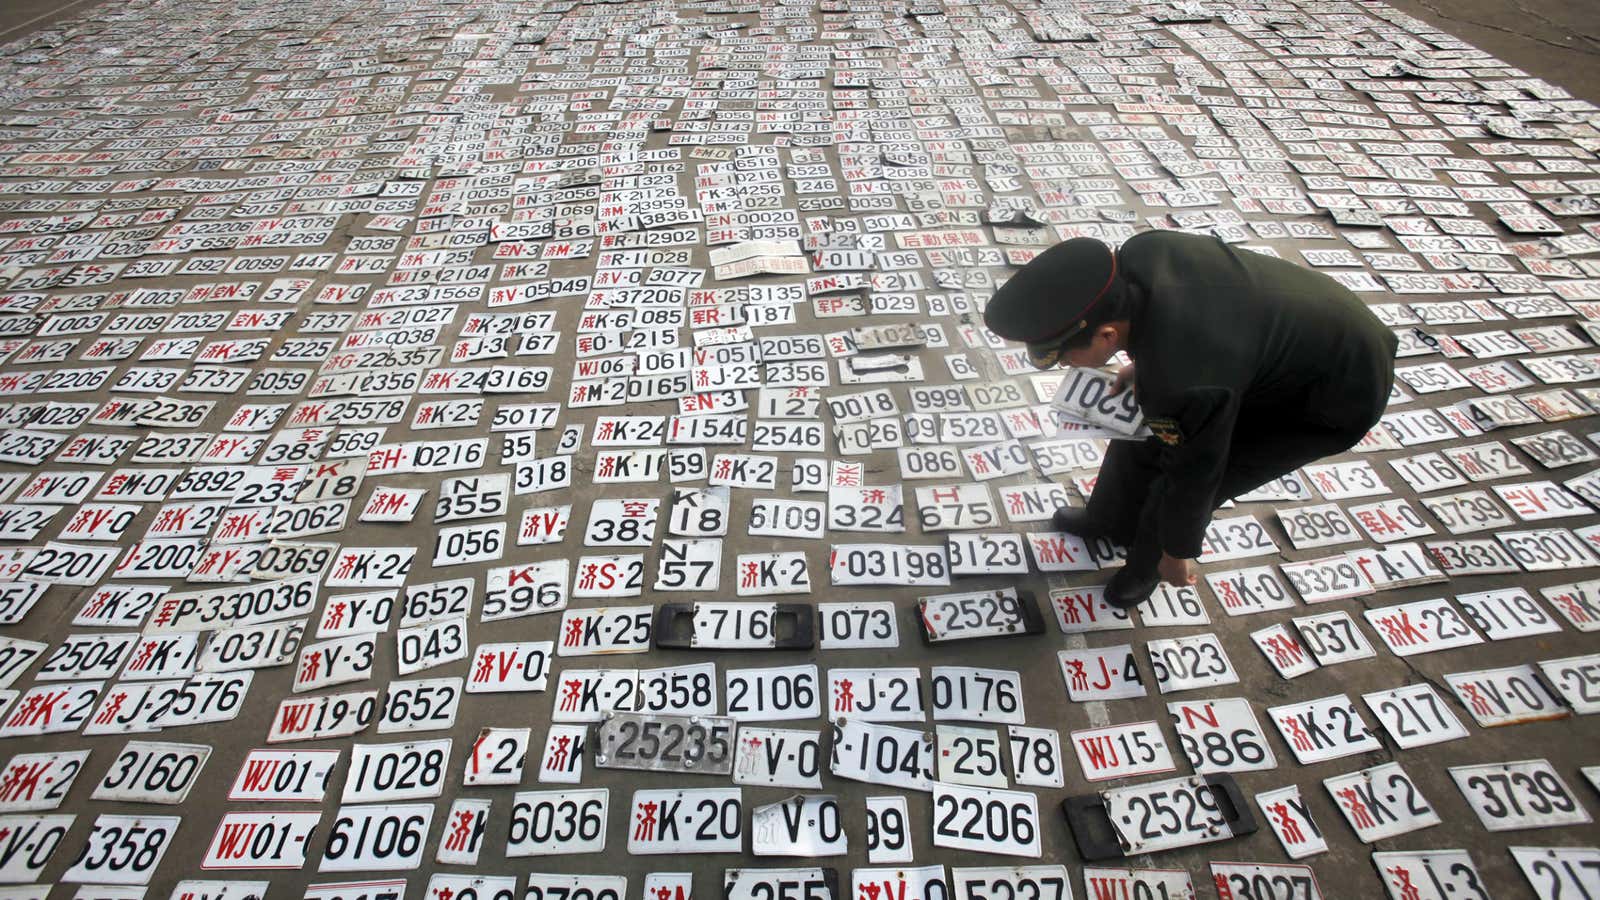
1196 429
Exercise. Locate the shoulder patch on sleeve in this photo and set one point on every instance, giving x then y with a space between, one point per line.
1166 430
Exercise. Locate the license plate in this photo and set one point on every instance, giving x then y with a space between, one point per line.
798 826
986 820
963 694
252 647
1266 882
560 887
123 849
1560 871
920 883
1320 730
1122 751
1505 614
881 695
327 716
1329 578
500 668
735 626
337 661
1103 673
1283 650
377 838
1253 590
1333 638
970 756
954 617
765 884
773 694
605 630
1577 680
409 771
424 704
204 698
284 775
778 757
1414 715
862 625
1168 884
703 820
257 840
1381 802
1421 627
1515 795
1429 874
664 743
1040 882
1320 525
1221 736
1509 696
39 781
1290 818
553 823
1187 663
1165 815
882 754
888 564
146 772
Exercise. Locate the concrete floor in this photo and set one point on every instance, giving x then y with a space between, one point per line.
1528 36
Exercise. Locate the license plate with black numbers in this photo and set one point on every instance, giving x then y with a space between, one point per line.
949 617
780 884
1414 715
664 743
1036 882
1165 815
553 823
146 772
410 771
1197 661
1429 875
1381 802
882 754
1266 882
859 625
1515 795
377 838
985 820
123 849
700 820
1560 871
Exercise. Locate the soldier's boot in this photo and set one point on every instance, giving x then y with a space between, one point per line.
1131 585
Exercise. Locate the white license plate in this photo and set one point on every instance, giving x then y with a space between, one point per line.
377 838
604 630
1323 729
1577 680
553 823
735 626
1122 751
1414 715
123 849
882 754
560 887
1381 802
1266 881
284 775
1101 673
39 781
1168 884
986 820
862 625
146 772
259 840
408 771
1509 696
954 617
1429 875
881 695
1197 661
327 716
970 756
792 884
778 757
1515 795
962 694
889 564
798 826
702 820
1040 882
779 693
665 743
1165 815
1555 872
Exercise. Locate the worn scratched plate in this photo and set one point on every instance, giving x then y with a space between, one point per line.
664 743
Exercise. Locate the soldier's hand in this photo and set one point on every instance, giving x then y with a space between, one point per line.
1176 572
1124 380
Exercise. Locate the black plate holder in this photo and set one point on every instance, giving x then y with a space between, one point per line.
1097 837
674 627
1032 621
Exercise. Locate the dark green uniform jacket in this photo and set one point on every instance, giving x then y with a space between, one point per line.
1229 340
